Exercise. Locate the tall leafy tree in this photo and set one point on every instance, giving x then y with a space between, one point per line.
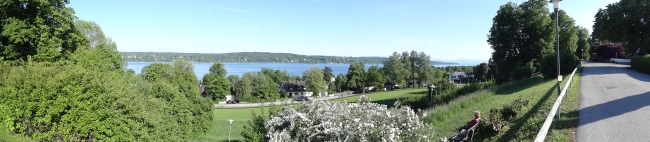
567 30
583 43
43 29
217 85
340 82
520 34
327 74
375 78
314 79
243 88
395 69
481 72
356 76
108 59
626 22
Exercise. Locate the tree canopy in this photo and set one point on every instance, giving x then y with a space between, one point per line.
625 22
520 34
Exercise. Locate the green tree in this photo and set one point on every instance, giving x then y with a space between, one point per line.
625 22
100 45
314 79
520 34
394 69
567 30
356 75
340 82
583 43
217 85
39 28
481 72
243 89
375 78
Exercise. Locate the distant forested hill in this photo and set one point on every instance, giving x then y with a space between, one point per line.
254 57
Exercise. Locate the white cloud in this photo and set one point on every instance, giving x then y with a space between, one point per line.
231 9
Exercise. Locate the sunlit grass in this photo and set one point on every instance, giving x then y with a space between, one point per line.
541 94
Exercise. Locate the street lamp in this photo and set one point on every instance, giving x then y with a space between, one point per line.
556 7
230 129
431 87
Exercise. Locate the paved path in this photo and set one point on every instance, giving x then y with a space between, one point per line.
614 104
244 105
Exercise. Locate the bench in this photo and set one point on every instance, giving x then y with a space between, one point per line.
468 136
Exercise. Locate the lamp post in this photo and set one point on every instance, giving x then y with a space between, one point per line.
230 129
556 8
431 87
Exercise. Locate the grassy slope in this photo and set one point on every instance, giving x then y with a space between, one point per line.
541 94
240 116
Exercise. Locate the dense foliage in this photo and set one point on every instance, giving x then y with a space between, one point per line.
216 83
568 62
62 79
641 63
314 79
259 57
43 29
610 50
626 22
343 121
520 34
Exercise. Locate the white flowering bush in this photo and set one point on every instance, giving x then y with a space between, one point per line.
343 121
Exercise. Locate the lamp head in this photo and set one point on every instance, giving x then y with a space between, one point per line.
230 121
556 4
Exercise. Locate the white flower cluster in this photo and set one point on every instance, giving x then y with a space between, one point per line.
343 121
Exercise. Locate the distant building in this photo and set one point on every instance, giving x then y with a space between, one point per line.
295 89
459 77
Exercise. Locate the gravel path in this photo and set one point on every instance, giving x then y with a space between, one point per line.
614 104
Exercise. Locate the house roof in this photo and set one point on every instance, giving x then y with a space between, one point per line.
291 86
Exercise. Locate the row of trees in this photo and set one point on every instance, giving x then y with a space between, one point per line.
402 69
264 57
626 22
523 39
62 79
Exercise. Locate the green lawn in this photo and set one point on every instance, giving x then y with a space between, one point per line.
541 94
240 116
388 98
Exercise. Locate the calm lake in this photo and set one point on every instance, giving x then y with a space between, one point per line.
201 68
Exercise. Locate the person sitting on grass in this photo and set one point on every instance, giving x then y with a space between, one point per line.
477 118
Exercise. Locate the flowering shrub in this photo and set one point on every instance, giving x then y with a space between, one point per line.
343 121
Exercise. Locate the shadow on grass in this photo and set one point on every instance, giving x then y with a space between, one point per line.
517 127
419 93
388 102
568 120
517 86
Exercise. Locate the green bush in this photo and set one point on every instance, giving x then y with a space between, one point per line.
416 103
641 63
568 62
521 72
70 102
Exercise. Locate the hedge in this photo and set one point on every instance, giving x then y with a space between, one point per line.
641 63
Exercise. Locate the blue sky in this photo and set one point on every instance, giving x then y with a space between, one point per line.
444 29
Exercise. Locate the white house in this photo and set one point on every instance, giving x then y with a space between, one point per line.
295 89
457 76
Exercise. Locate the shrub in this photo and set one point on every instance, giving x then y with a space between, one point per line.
568 62
417 103
343 121
641 63
610 50
521 72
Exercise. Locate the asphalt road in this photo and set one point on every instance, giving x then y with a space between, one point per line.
614 104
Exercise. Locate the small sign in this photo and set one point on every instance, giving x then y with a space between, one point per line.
559 78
